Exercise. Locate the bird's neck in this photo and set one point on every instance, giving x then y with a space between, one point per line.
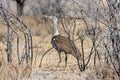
55 28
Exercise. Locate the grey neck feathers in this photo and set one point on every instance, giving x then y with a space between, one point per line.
55 27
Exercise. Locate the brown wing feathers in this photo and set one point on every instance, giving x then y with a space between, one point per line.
62 43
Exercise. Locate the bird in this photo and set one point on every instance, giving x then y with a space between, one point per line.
63 44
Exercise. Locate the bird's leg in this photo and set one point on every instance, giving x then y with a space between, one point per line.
65 60
59 58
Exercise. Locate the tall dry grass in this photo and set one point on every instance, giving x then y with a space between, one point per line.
15 72
41 38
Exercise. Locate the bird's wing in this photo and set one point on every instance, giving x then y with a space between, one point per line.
62 42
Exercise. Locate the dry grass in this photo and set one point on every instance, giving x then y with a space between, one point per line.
15 72
26 72
49 69
9 72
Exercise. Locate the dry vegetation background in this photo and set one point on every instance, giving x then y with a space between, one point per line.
87 24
